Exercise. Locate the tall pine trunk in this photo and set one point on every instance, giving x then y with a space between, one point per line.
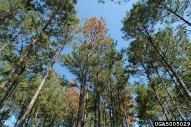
25 115
95 111
155 91
12 87
172 99
12 39
171 76
35 117
99 114
177 15
80 122
178 78
23 57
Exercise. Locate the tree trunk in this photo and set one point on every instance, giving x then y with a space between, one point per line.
110 116
158 98
173 114
8 93
104 117
81 105
34 99
99 115
12 87
169 94
112 109
178 78
95 110
40 87
119 106
177 15
36 114
98 100
12 39
171 76
86 105
23 57
164 110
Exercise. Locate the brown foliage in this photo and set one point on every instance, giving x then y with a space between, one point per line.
126 106
95 30
72 97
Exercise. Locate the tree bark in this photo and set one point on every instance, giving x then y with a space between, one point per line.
12 39
12 87
25 115
158 98
177 15
178 78
171 76
99 114
95 110
169 94
81 105
98 100
36 114
22 58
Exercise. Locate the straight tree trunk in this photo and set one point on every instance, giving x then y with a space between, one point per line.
99 114
110 116
177 15
178 78
112 109
36 114
158 98
164 110
12 39
173 114
95 110
25 115
86 105
119 106
12 87
23 57
34 99
168 93
80 121
104 117
171 76
98 100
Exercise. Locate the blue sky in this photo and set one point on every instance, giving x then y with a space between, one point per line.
113 14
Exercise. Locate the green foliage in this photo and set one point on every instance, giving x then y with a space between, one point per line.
157 53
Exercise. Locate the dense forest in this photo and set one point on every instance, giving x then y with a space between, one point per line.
34 34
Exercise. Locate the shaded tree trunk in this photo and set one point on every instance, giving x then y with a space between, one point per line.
25 115
171 76
179 112
177 15
155 91
164 110
36 114
23 57
178 78
12 39
80 122
12 87
95 111
99 114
